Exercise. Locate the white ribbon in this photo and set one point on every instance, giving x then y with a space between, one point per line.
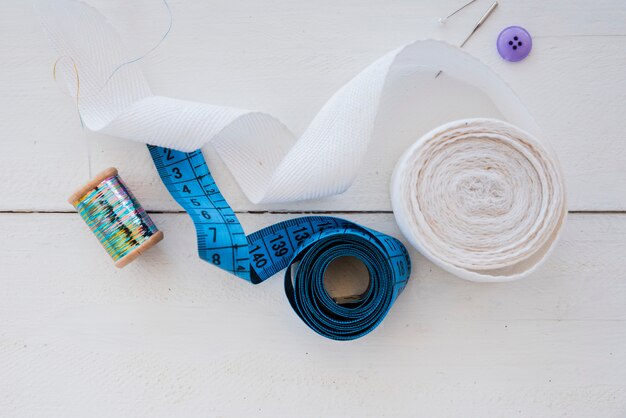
265 158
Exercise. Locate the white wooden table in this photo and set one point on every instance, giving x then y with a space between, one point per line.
172 336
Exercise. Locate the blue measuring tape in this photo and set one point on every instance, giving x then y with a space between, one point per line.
304 246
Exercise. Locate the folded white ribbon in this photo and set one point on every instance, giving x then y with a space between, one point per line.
265 158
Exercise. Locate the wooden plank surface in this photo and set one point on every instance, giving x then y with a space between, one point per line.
172 336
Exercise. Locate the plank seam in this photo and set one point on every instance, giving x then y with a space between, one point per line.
293 212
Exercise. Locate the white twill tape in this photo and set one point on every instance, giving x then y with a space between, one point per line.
268 161
481 198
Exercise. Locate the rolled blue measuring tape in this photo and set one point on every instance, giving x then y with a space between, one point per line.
304 246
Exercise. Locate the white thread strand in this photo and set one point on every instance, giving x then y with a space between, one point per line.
481 198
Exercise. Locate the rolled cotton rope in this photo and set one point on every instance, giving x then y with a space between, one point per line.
481 198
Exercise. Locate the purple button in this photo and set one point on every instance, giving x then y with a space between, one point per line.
514 43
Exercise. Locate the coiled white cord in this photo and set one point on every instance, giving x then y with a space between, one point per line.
481 198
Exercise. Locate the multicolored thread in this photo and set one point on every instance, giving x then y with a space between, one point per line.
116 218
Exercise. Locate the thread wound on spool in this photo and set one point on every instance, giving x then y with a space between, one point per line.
481 198
115 217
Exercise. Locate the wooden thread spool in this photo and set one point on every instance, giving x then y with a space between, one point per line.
116 218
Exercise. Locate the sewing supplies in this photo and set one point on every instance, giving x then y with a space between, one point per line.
266 160
514 43
115 217
481 198
476 26
304 246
